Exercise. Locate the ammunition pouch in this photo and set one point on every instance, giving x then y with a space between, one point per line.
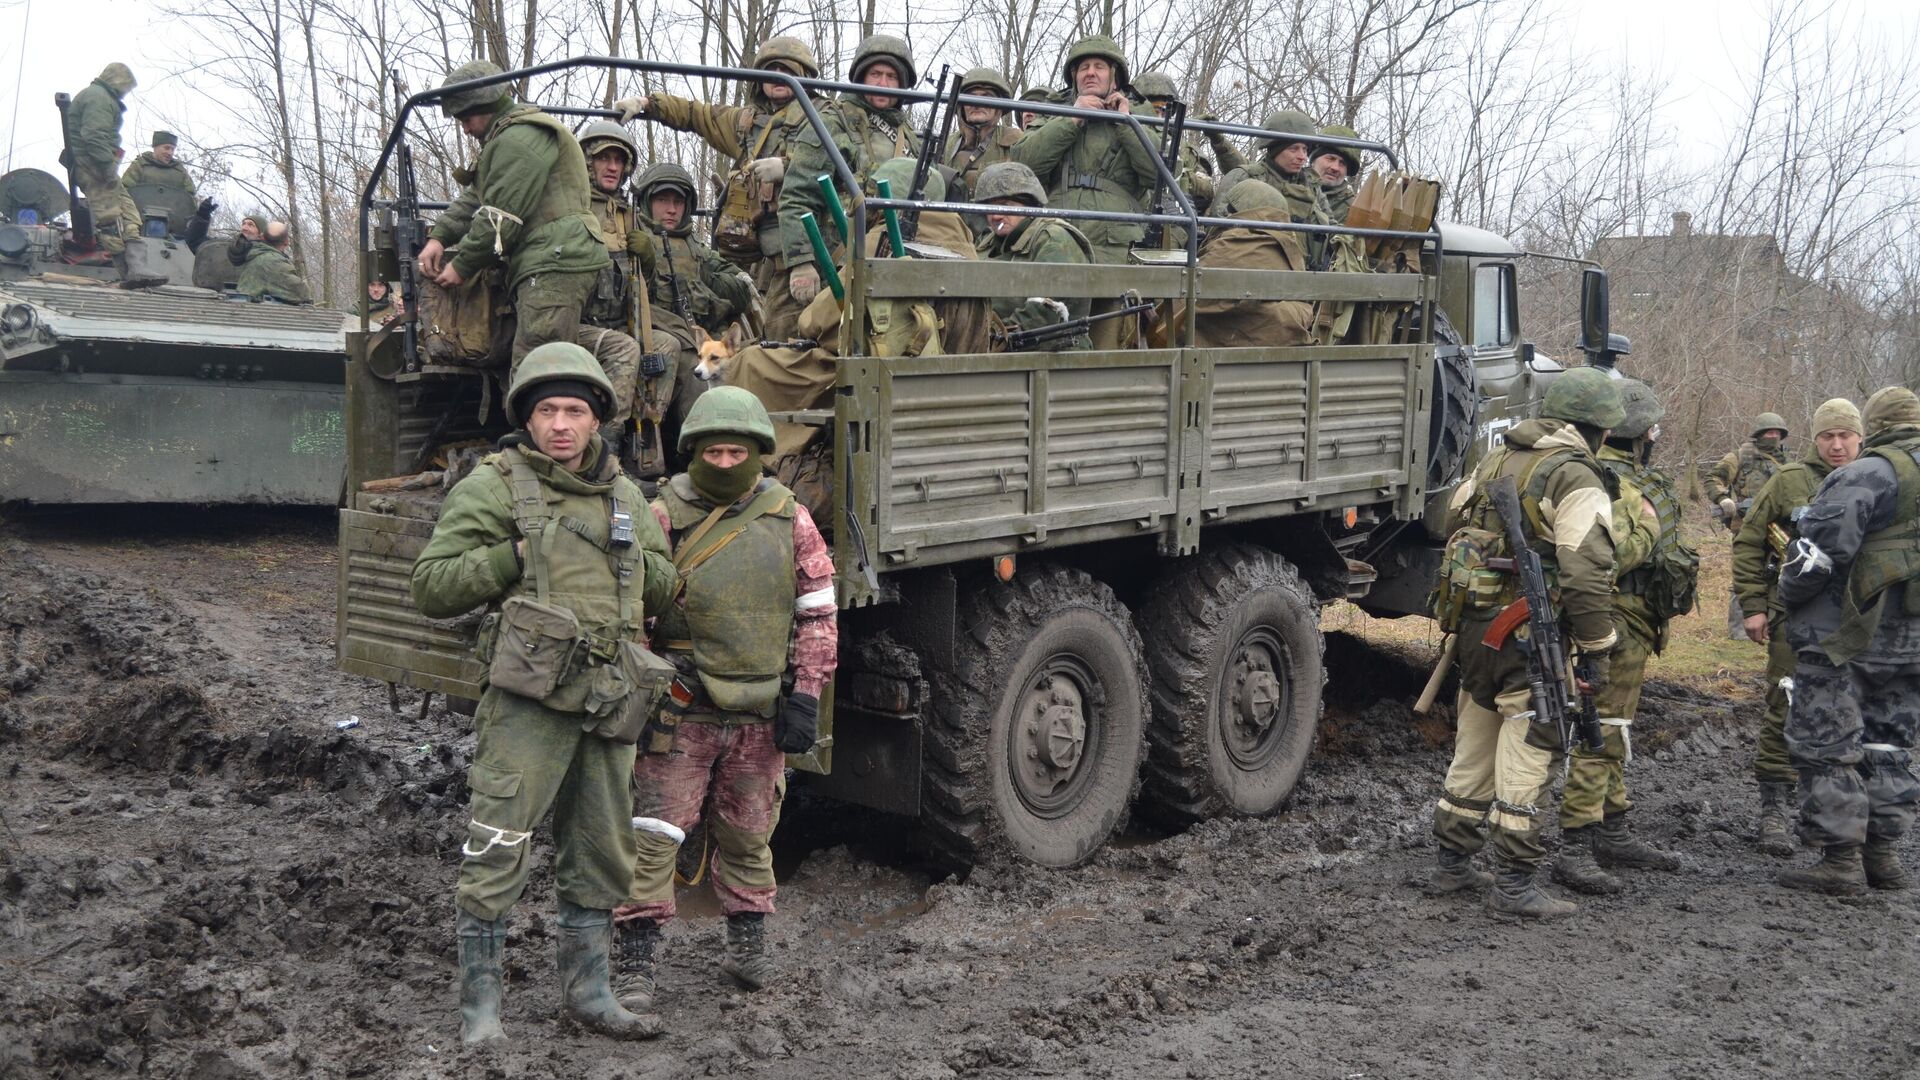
625 693
1469 585
736 228
465 326
533 647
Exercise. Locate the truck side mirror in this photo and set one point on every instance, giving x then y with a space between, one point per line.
1593 311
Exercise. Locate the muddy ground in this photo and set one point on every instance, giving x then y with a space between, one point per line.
200 876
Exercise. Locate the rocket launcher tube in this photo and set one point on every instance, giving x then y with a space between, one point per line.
894 239
824 260
828 192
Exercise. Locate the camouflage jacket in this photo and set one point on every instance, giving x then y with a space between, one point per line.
1756 577
1339 199
741 133
1040 240
1305 199
1634 536
968 160
1852 518
1093 166
692 285
527 204
147 169
865 136
93 124
268 274
1742 473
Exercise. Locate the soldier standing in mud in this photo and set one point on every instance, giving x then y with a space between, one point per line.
1656 574
1849 585
755 612
553 538
1736 479
1759 546
1502 766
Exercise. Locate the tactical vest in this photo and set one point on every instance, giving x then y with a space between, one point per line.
1890 555
1468 587
738 574
969 162
1667 581
1752 472
677 286
1021 250
607 305
566 191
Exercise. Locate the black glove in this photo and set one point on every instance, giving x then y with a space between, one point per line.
237 250
798 724
1597 666
206 208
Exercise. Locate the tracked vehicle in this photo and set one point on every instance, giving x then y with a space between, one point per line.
1070 582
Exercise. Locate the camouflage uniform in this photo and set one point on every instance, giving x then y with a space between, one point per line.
610 318
978 146
1034 240
1192 169
148 169
1743 472
1305 199
268 274
93 129
1340 196
1854 619
1233 323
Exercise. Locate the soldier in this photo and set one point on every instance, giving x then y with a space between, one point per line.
1283 166
93 140
1021 239
696 293
1090 165
1736 480
1030 120
1241 323
268 272
1655 576
757 608
526 205
553 732
985 137
380 306
1756 580
756 137
609 313
867 128
1338 169
159 166
1195 170
1502 763
1852 617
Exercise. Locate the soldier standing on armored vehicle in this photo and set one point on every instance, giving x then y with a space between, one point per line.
557 542
1655 577
1283 166
1848 584
526 205
93 142
604 321
159 166
1768 527
1338 170
986 136
756 138
268 272
1502 766
1021 239
755 612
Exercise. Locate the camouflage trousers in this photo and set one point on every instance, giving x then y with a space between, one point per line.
1596 786
619 357
546 307
1499 776
782 312
1850 734
527 760
732 758
1771 765
114 214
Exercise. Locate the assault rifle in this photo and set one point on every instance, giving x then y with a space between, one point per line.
409 233
932 146
1175 131
81 213
1553 700
1019 340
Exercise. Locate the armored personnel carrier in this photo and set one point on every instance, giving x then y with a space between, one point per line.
122 380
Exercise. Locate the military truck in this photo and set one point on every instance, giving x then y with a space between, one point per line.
1070 582
122 381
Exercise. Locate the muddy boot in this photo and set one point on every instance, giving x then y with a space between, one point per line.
1454 872
1839 872
1774 836
586 939
1575 867
1514 893
746 960
1614 845
481 942
637 940
1882 864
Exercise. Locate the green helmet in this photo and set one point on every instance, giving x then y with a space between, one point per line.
459 102
1351 154
666 175
1156 84
1105 48
562 362
898 173
603 134
1009 180
1036 93
985 77
1291 121
884 47
726 410
1892 406
1770 421
1642 407
1584 396
1254 195
789 50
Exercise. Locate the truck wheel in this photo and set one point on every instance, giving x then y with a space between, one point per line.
1036 746
1456 402
1234 648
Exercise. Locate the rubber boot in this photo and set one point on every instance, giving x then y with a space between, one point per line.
583 956
1514 893
746 960
1839 872
1774 834
1453 872
481 983
1615 845
1882 864
638 942
1576 868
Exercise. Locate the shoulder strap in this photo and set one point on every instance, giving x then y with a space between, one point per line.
689 556
530 515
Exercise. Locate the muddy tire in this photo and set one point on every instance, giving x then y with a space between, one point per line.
1235 653
1034 750
1456 401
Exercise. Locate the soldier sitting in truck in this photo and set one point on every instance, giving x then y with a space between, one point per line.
1235 323
1284 166
608 321
1022 239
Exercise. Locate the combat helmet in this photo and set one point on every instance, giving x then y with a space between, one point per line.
1889 407
789 50
879 47
1009 180
560 362
1037 93
666 174
987 77
1156 84
898 173
1770 421
1248 195
1349 153
1105 48
1642 407
458 102
726 410
1291 121
1585 396
601 134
